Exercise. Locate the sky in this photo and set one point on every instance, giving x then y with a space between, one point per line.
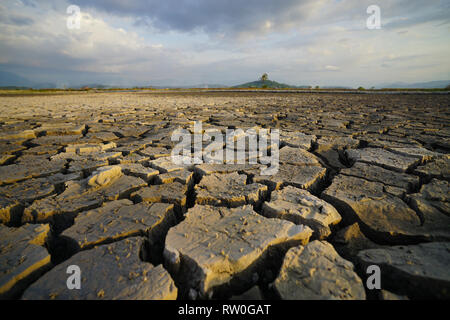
189 42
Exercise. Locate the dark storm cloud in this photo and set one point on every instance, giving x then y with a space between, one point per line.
208 15
238 16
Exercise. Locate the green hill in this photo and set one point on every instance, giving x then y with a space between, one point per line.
269 84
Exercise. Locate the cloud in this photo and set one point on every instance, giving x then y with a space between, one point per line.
96 47
14 18
254 17
199 41
332 68
213 17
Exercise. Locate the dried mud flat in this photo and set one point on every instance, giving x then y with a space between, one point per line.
86 180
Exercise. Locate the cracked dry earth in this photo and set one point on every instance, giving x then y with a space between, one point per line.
87 180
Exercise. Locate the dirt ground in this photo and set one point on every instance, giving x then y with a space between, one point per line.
87 179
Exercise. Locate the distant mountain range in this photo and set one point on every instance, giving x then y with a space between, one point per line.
8 79
13 81
421 85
